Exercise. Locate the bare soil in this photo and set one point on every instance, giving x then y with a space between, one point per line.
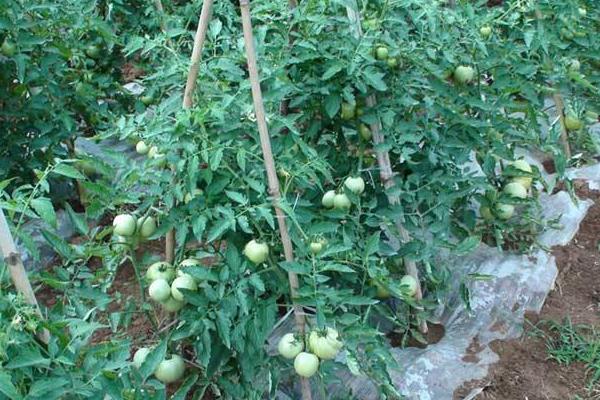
524 371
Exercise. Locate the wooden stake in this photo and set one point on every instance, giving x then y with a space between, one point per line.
272 179
17 271
188 95
386 174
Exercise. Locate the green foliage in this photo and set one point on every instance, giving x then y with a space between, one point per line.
325 76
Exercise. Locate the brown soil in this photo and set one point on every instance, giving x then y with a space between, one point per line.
524 370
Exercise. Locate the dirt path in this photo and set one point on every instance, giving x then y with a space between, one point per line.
524 371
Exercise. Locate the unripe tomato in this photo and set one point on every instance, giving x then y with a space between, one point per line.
572 123
382 291
485 31
504 211
486 213
189 262
147 99
524 166
289 346
124 225
141 147
184 281
381 53
92 51
341 202
348 111
160 270
146 226
153 152
256 252
464 74
316 247
306 364
140 356
159 290
515 189
327 199
355 185
392 62
8 49
172 305
582 11
170 370
409 285
365 132
325 344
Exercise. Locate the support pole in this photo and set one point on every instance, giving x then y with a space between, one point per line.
12 258
386 175
188 95
272 179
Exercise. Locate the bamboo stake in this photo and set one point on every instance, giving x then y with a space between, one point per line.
386 174
188 95
558 101
272 179
161 11
12 258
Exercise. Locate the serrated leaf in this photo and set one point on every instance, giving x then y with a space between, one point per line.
68 171
7 387
295 266
58 244
331 71
333 103
375 79
467 245
198 227
43 207
237 197
42 387
220 227
223 328
77 220
155 357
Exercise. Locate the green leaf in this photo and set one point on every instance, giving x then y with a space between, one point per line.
27 357
218 229
372 245
333 103
43 207
374 79
295 266
332 70
42 387
59 245
77 220
237 197
198 227
154 358
184 389
467 245
68 171
223 328
7 387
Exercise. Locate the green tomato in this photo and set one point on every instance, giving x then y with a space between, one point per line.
365 132
306 364
140 356
92 51
159 290
486 213
524 166
485 31
348 111
325 344
341 202
392 62
504 211
124 225
381 53
146 226
572 123
582 11
172 305
8 49
327 199
184 281
256 252
515 189
141 147
355 185
574 65
382 291
170 370
316 247
153 152
464 74
289 346
147 99
189 262
409 285
160 270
